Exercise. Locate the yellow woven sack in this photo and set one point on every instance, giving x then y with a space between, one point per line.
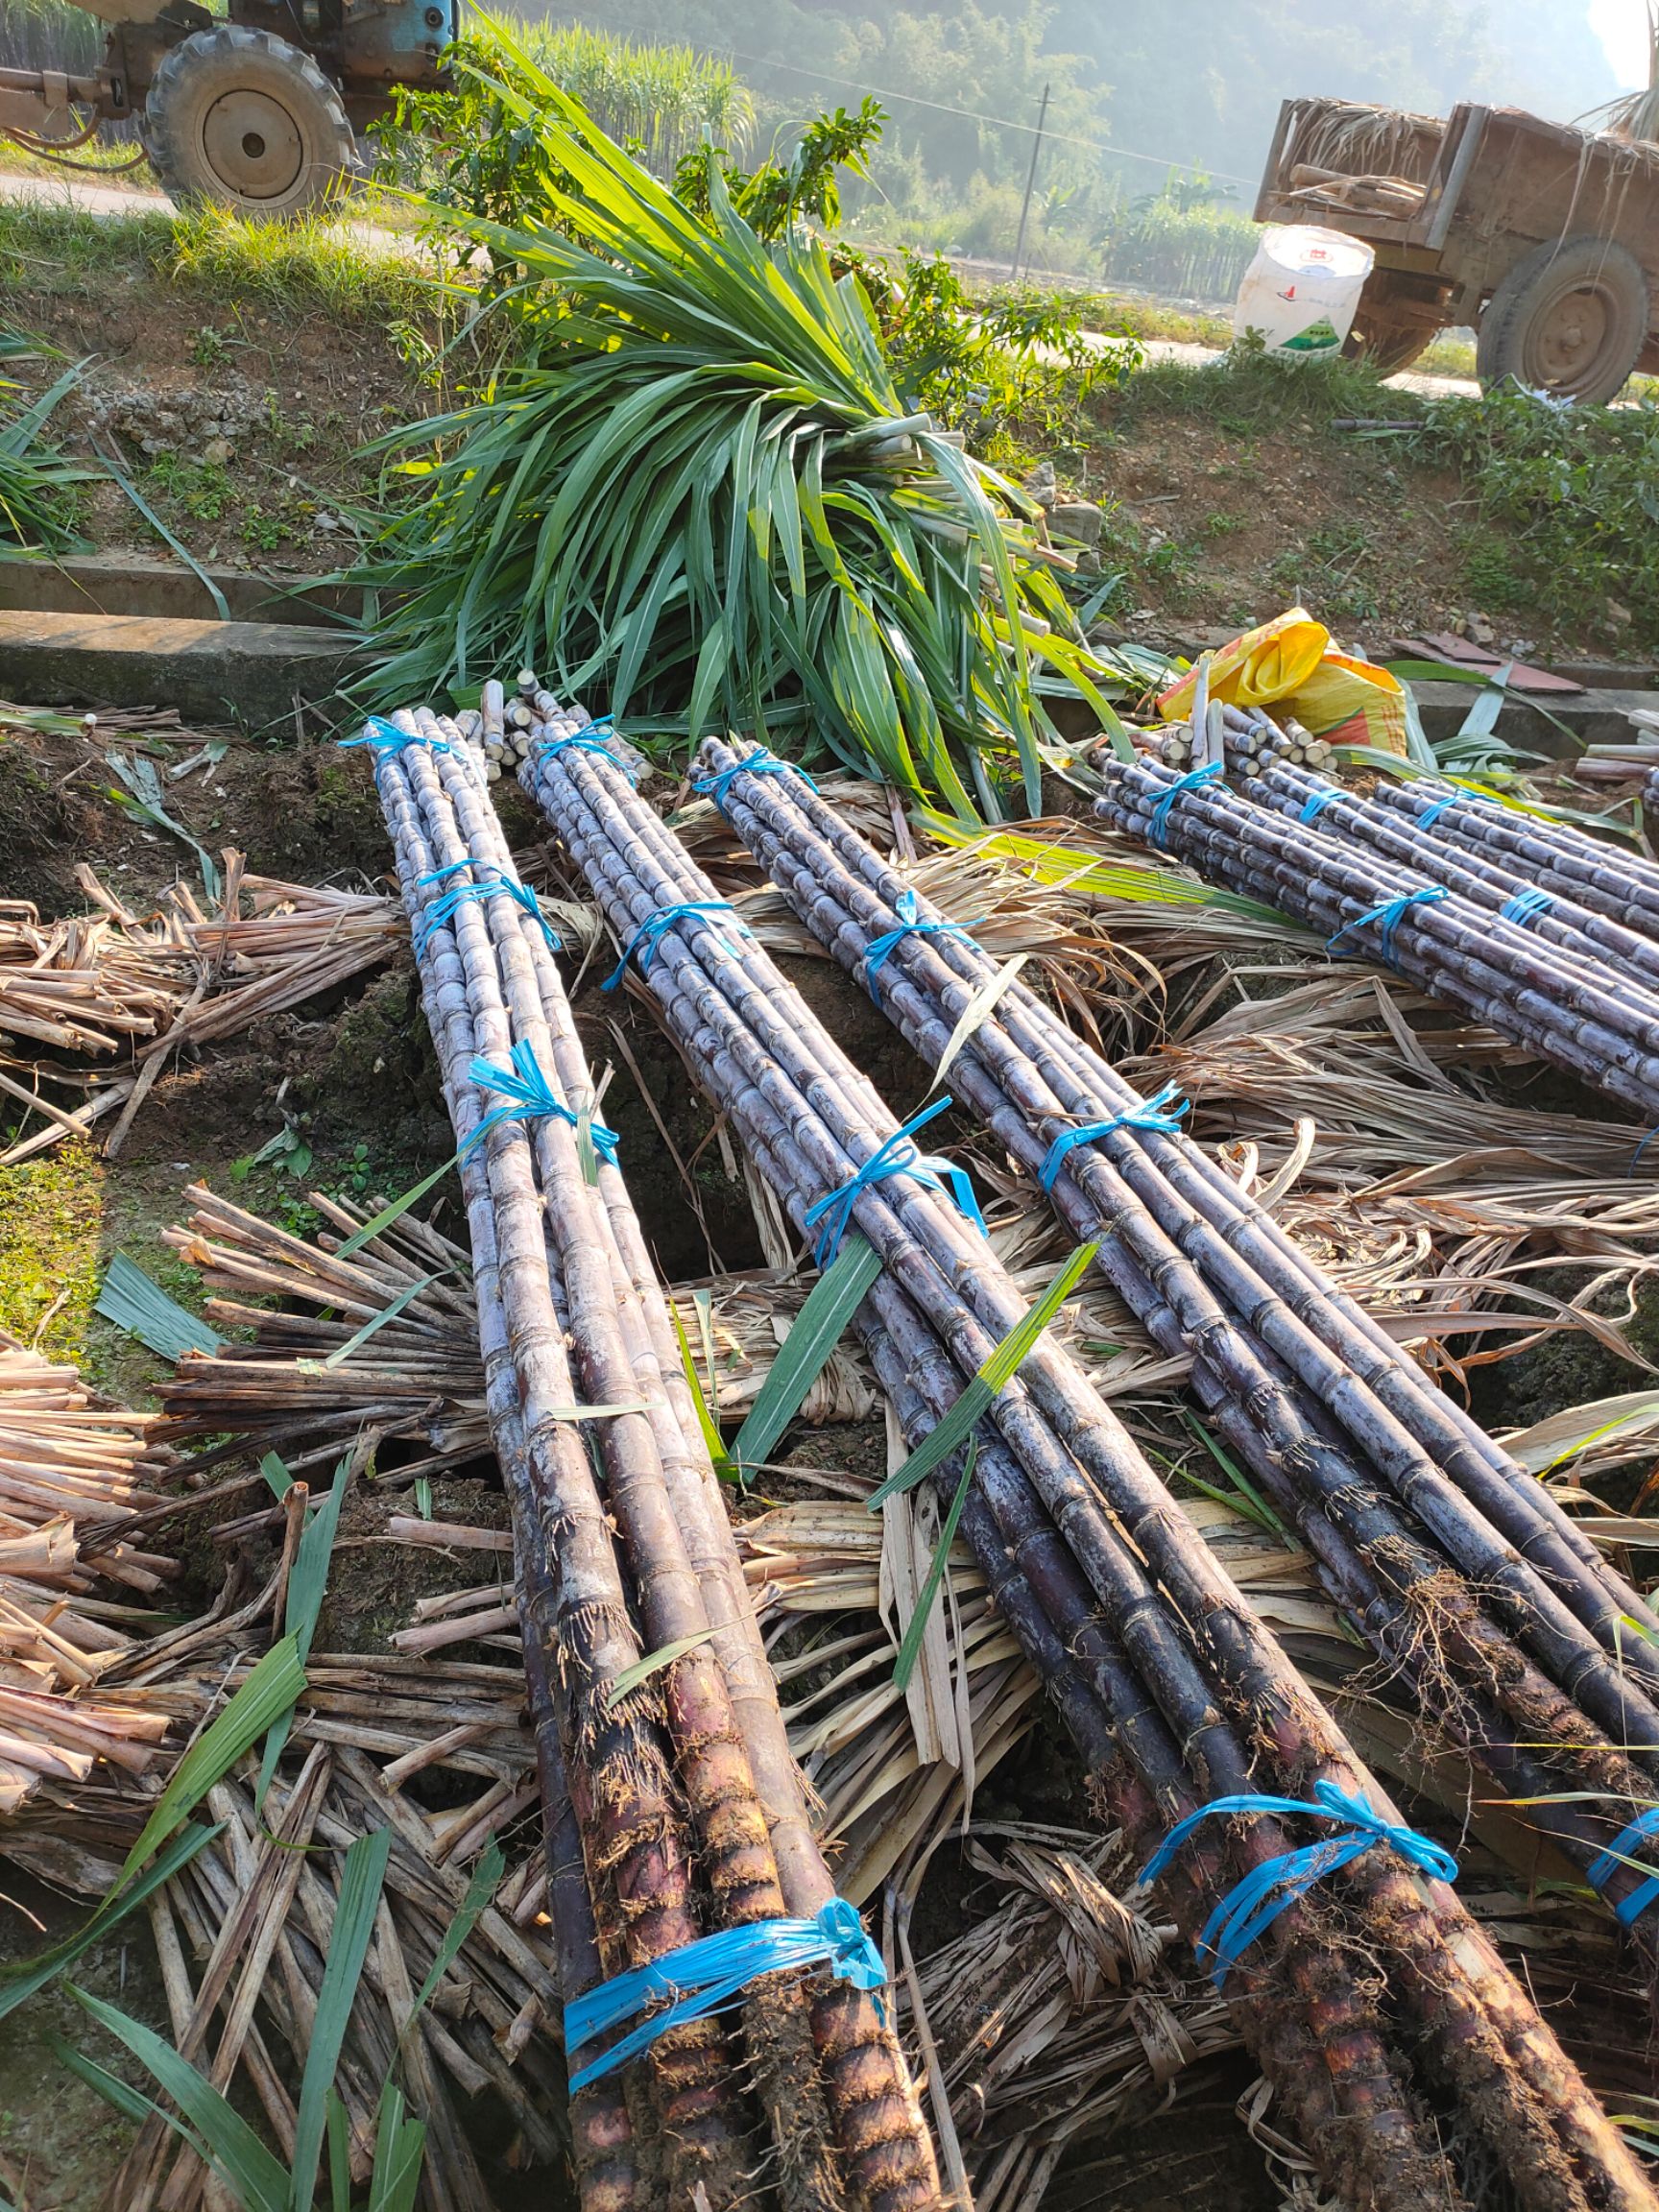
1291 662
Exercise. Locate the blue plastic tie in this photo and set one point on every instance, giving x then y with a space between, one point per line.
881 948
1162 1114
1249 1909
762 761
1187 782
1636 1156
1317 804
896 1156
386 738
586 740
1432 812
703 1977
650 934
1526 906
485 887
1601 1870
1388 914
529 1097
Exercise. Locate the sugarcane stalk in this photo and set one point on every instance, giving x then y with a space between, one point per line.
1609 880
777 1077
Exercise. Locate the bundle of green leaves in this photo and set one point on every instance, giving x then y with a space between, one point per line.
698 494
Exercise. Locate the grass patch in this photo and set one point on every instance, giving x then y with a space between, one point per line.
311 262
47 246
1249 391
50 1213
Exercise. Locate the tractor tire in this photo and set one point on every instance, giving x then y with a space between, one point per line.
1570 321
247 121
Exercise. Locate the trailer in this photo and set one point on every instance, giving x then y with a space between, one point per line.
1543 236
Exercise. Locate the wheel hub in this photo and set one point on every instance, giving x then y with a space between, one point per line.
253 145
1567 339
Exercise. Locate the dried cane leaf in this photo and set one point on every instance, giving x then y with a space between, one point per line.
977 1010
910 1650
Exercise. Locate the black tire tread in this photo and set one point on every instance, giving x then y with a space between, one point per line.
221 50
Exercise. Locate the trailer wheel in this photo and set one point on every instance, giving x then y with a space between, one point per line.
1568 320
242 118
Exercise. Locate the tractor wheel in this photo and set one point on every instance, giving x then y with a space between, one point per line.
1568 320
242 118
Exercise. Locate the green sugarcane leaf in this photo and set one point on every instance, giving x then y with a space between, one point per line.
910 1650
723 1464
400 2151
378 1321
396 1211
339 2125
233 2150
361 1882
21 1977
134 1302
275 1474
307 1583
996 1372
805 1353
486 1881
145 797
269 1691
132 2103
642 1669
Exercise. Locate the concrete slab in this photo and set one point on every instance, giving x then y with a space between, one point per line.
244 672
93 584
1599 716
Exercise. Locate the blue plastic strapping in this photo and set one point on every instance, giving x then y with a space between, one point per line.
762 761
896 1156
910 924
530 1098
1388 914
586 739
386 738
1526 906
1190 782
1162 1114
1250 1908
1432 812
701 1977
1601 1870
491 881
1317 803
650 933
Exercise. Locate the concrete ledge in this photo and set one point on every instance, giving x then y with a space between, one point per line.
1594 717
89 584
244 672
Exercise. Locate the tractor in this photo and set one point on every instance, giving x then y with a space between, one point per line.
257 111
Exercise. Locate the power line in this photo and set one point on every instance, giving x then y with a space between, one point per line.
610 20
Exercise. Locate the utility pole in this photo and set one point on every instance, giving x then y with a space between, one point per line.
1031 185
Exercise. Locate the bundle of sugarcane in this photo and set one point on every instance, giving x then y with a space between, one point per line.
1472 873
1465 1574
1177 1696
1560 1005
1553 857
683 1761
113 984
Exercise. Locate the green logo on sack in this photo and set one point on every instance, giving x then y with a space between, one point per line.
1318 338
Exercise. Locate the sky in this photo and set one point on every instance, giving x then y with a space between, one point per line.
1621 26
